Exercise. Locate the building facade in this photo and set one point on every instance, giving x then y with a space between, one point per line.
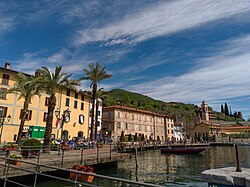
134 121
10 105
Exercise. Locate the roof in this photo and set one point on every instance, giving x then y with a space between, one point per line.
135 110
235 127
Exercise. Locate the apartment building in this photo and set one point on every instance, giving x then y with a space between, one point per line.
130 120
77 102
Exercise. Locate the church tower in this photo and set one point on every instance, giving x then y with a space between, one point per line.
204 111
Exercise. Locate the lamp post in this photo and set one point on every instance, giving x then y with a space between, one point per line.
2 120
65 117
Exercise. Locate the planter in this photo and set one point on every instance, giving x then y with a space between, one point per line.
72 175
65 147
10 148
99 145
15 162
81 177
87 178
27 153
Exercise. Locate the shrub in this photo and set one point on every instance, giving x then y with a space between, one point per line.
32 144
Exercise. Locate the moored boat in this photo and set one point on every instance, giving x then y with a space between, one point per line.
182 150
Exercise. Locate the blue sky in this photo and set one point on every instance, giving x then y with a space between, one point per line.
183 51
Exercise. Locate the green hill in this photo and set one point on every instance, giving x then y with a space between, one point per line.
135 100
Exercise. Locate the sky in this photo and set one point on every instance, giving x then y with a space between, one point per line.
171 50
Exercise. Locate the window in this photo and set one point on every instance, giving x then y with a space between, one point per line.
126 126
67 102
82 106
118 125
139 117
172 131
3 93
46 101
28 114
76 95
98 123
132 127
15 137
118 115
75 104
145 118
140 127
81 119
125 115
3 111
109 114
82 98
5 79
99 113
80 134
45 115
150 119
133 117
68 92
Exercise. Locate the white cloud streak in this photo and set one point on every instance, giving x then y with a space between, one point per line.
223 76
164 18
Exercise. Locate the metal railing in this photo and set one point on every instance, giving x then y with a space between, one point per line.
112 181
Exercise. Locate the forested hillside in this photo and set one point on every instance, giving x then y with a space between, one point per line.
135 100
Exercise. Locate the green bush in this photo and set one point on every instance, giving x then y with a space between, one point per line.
32 144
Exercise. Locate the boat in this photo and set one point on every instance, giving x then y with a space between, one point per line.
182 150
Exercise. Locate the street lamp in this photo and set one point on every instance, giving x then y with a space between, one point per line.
65 118
2 120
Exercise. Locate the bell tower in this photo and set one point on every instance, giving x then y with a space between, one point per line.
204 111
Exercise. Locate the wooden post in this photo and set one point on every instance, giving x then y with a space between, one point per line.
136 163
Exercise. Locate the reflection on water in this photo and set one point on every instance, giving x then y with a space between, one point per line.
174 170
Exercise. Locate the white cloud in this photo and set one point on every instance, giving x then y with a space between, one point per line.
164 18
223 76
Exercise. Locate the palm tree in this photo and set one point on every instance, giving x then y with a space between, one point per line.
52 84
95 74
27 87
100 94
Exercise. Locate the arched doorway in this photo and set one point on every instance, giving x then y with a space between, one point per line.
80 135
65 135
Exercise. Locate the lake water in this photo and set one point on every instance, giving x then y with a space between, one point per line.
171 170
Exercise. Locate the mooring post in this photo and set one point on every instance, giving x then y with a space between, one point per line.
110 149
97 156
62 158
81 155
238 169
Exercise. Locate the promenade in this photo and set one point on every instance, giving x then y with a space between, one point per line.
65 159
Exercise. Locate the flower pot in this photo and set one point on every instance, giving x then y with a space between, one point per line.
88 178
99 145
9 148
15 162
72 175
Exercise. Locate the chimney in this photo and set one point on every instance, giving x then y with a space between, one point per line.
7 66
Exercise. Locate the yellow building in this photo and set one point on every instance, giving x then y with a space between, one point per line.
77 102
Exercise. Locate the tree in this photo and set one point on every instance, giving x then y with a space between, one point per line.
122 138
226 110
222 109
95 74
135 137
130 138
27 87
53 83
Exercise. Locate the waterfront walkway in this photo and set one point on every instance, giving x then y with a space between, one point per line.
66 159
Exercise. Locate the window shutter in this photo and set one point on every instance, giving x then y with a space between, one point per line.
5 109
